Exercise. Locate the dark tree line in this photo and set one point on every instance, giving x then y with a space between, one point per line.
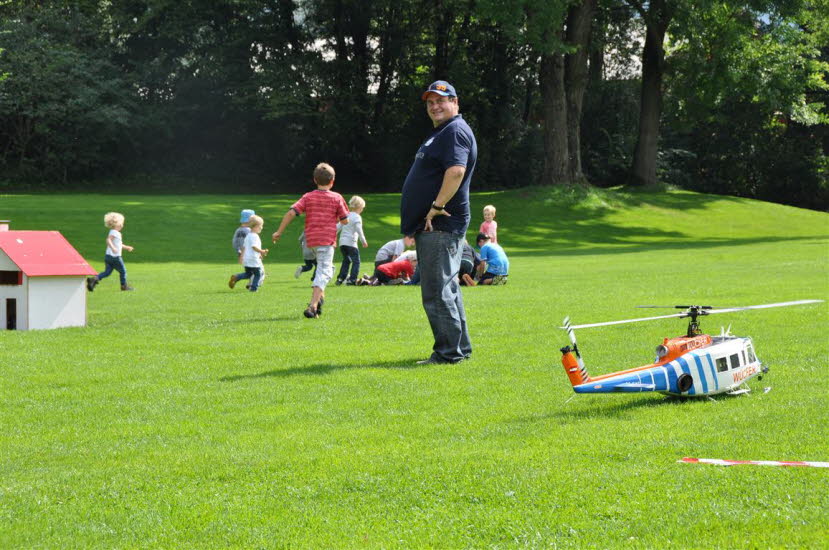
243 95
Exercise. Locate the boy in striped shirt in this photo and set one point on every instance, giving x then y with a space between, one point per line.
323 208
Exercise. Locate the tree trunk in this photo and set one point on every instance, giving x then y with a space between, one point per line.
650 111
286 9
389 50
361 60
596 70
340 45
359 27
443 26
579 18
554 112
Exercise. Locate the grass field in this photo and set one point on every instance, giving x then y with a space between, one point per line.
190 415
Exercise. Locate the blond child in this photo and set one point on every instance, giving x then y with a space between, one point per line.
322 208
252 253
490 226
112 258
350 234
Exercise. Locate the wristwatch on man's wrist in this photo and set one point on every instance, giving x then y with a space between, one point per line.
436 207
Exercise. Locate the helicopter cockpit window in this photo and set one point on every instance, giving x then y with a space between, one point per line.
751 357
735 361
722 364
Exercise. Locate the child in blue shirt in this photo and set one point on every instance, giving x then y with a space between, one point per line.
494 266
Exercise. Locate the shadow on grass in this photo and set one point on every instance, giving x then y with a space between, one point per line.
256 321
327 368
612 409
617 406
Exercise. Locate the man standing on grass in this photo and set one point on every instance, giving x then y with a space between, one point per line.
434 208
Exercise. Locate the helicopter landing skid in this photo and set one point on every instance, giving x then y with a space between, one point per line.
744 388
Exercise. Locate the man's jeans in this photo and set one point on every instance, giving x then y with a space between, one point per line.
439 258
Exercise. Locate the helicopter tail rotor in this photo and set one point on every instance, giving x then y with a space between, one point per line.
571 358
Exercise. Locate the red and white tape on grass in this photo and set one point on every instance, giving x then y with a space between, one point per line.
720 462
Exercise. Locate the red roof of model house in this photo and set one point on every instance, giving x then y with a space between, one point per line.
43 253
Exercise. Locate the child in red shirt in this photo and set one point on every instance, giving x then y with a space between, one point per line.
323 208
394 272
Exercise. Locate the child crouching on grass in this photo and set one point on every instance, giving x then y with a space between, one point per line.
252 253
393 273
112 259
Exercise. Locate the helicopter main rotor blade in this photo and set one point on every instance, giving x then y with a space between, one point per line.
702 313
628 321
677 307
764 306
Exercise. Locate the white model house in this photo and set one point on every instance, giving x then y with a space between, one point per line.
42 281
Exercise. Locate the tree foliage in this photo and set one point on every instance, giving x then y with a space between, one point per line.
64 105
750 93
247 95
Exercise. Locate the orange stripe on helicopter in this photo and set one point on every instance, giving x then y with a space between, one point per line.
670 349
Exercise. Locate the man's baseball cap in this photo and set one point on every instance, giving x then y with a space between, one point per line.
440 87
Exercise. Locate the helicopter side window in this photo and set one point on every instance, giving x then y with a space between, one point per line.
735 361
722 364
751 357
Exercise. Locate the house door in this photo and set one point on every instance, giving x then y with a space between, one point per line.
11 314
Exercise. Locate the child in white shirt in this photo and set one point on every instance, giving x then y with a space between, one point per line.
350 233
112 258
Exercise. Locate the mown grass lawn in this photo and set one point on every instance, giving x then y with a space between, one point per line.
190 415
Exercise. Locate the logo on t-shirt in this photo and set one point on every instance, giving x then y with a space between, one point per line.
429 142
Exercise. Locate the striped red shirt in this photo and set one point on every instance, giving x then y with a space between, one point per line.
322 209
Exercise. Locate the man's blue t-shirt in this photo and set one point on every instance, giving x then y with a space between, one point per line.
450 144
495 258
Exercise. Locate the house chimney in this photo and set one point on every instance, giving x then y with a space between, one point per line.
4 225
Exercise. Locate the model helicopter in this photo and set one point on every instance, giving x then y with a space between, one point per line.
695 364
